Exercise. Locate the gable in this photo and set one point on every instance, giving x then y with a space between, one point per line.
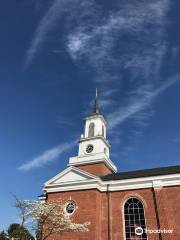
71 174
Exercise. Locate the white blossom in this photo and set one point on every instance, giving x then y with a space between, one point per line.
48 217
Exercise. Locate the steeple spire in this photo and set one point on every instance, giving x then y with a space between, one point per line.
96 104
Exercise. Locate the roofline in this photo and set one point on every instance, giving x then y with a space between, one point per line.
142 173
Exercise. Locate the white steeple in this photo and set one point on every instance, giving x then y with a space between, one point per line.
93 145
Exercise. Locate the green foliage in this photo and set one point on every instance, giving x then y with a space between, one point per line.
3 236
18 232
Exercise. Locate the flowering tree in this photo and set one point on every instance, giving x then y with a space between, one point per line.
47 218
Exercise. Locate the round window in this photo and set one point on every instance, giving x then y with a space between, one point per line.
70 207
89 148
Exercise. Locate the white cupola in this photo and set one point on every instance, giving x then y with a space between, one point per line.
93 145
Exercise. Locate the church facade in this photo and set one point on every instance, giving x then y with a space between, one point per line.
143 204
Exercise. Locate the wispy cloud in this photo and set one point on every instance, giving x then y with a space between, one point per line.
105 103
45 26
176 140
46 157
103 46
58 9
128 39
97 37
125 46
139 104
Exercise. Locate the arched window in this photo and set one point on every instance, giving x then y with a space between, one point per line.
134 217
91 130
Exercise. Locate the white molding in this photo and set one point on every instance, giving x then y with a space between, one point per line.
94 138
116 185
78 171
75 188
42 198
76 161
157 183
96 116
144 182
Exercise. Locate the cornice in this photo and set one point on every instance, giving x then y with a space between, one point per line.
94 138
118 185
96 116
106 161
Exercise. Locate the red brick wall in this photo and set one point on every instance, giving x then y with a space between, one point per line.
168 200
117 200
98 169
88 202
93 207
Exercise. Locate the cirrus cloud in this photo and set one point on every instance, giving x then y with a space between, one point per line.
46 157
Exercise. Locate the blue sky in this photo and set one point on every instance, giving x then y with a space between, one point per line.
53 56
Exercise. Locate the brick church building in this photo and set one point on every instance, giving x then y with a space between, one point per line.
143 204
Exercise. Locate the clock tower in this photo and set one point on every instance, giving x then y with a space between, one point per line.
94 148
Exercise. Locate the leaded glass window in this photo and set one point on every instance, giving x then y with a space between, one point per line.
134 217
70 207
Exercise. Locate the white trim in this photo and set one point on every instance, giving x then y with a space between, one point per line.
117 185
145 182
67 170
96 116
65 207
83 185
42 199
96 137
73 161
